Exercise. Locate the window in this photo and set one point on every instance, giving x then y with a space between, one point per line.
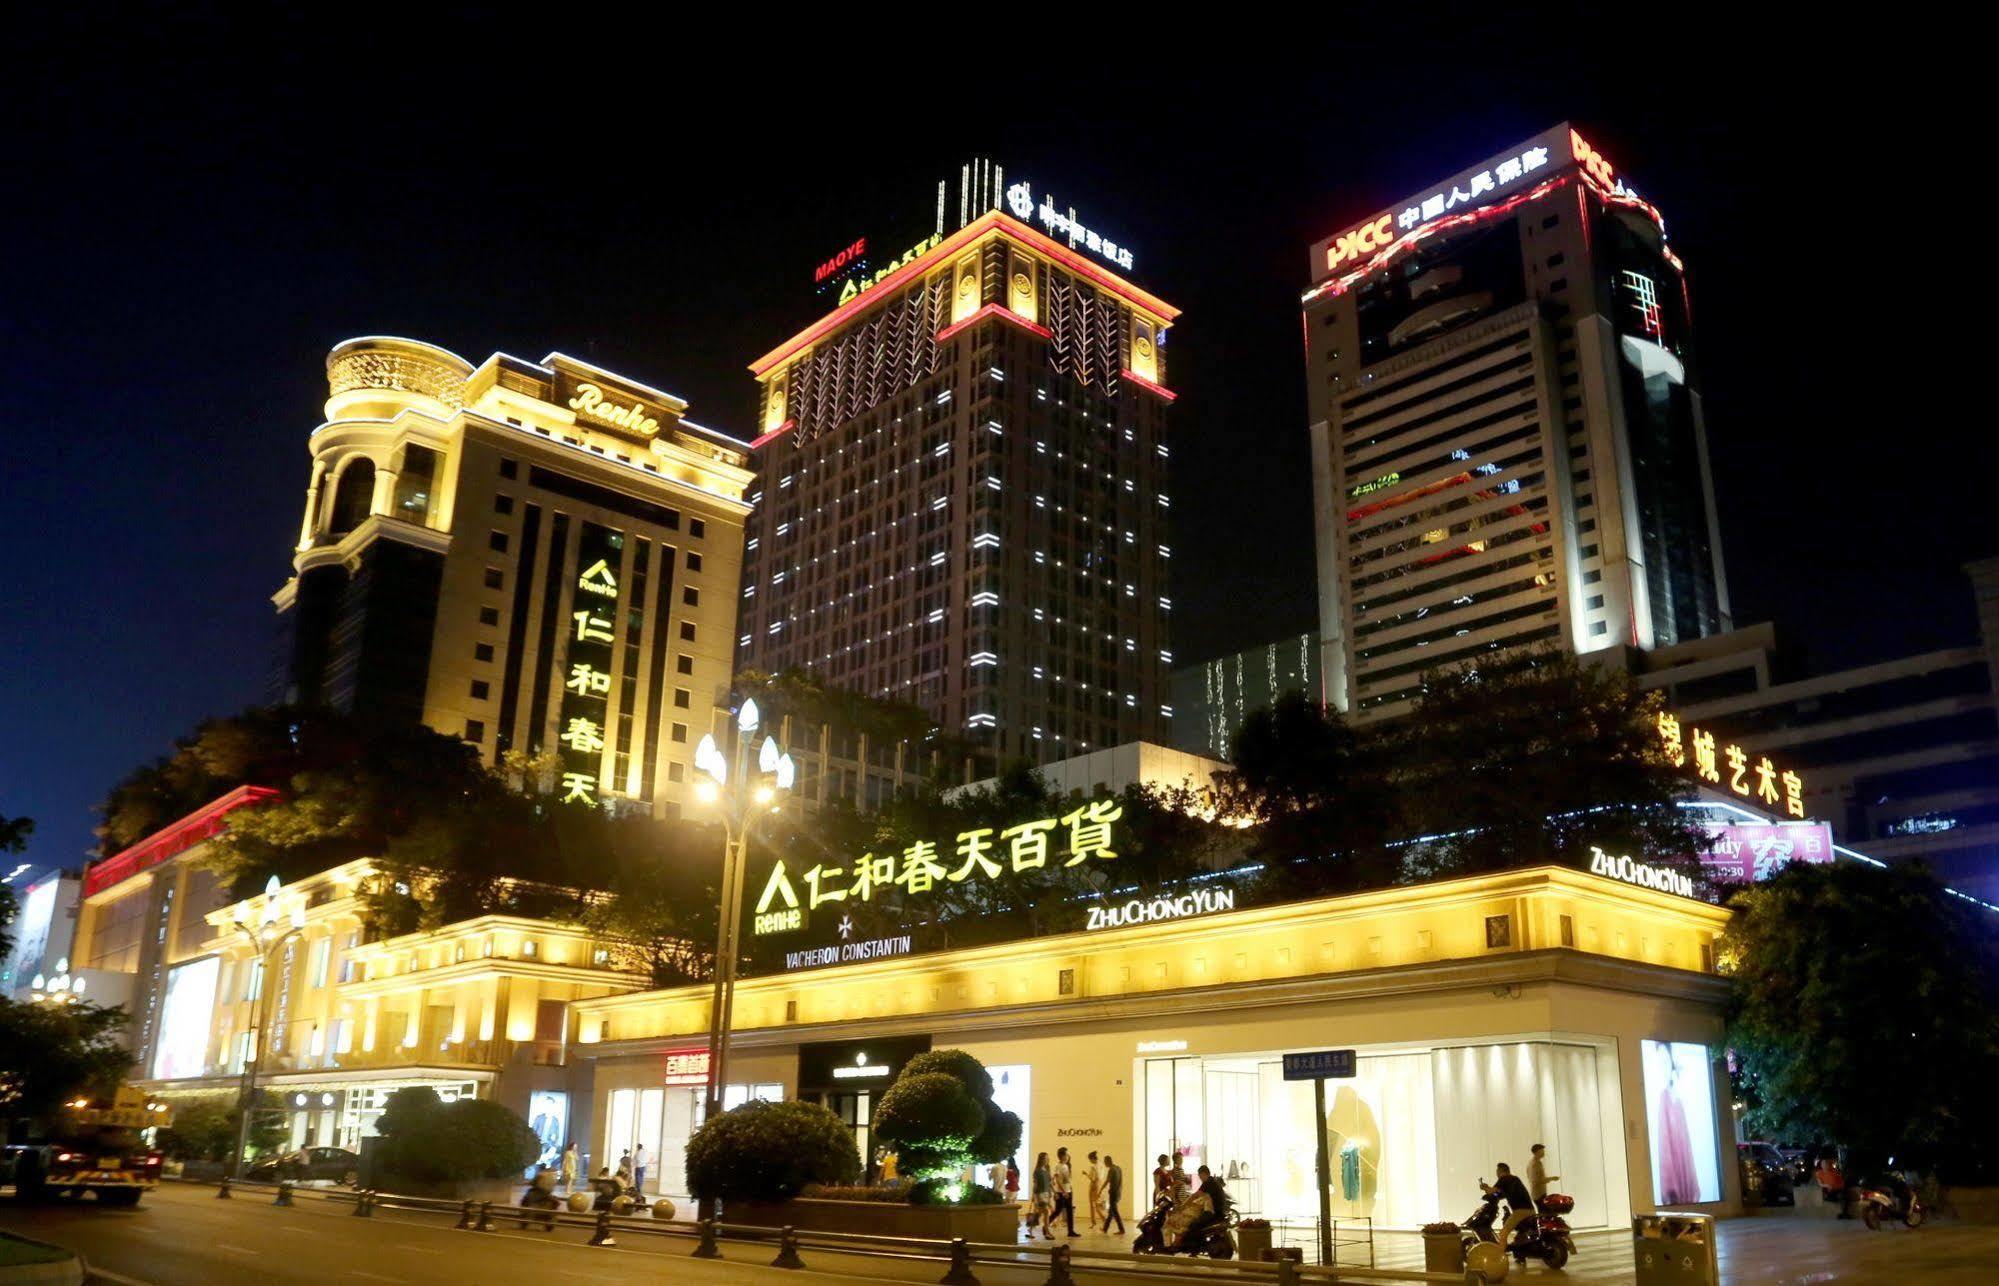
680 733
322 953
693 562
530 948
1555 260
480 688
681 699
497 542
503 504
509 468
690 596
482 651
475 730
489 616
687 631
1599 627
675 772
494 578
696 528
683 664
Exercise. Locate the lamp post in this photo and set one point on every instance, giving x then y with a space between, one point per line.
739 796
60 989
265 939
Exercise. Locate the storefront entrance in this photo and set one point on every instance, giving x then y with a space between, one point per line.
1407 1139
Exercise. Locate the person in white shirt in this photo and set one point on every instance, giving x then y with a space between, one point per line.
1096 1176
1065 1192
1538 1177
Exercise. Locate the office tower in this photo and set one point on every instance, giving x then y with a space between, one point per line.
1507 435
961 498
539 556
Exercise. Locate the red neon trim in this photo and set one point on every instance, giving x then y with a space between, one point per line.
994 310
1160 389
775 433
992 220
1384 257
172 839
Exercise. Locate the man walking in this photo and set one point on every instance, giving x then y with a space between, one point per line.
1065 1191
1095 1175
639 1168
1114 1192
1538 1177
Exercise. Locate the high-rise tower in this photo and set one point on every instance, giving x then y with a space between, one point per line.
1507 441
962 498
533 555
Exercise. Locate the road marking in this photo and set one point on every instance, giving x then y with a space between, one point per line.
223 1245
373 1277
421 1250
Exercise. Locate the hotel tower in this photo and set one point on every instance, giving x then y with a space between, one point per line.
961 498
538 556
1507 439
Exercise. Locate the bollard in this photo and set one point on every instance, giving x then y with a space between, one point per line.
960 1273
464 1215
362 1207
1058 1267
1287 1272
485 1224
284 1197
222 1193
787 1250
602 1236
707 1249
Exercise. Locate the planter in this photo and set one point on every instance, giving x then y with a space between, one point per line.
1252 1240
1443 1253
998 1223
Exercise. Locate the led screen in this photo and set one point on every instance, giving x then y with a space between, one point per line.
184 1020
548 1116
1679 1111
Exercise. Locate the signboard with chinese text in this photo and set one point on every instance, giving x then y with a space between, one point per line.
1323 1064
687 1066
1743 854
1727 765
586 689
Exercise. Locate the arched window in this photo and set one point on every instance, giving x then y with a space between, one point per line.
353 497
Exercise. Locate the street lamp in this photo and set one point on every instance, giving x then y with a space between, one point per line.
740 797
59 990
265 939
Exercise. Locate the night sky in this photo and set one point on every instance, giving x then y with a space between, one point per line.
199 210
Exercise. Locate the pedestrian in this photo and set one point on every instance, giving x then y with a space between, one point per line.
639 1168
570 1166
1065 1190
1113 1193
1538 1177
1162 1184
1043 1210
1177 1182
625 1171
1096 1176
1012 1180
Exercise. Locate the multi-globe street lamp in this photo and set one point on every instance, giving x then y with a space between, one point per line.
60 989
265 938
740 796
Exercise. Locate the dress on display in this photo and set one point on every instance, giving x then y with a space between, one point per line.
1677 1180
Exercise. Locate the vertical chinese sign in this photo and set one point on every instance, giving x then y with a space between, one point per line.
586 690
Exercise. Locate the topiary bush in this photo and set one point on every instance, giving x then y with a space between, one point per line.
427 1139
940 1117
769 1152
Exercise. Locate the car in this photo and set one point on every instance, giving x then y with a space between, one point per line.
336 1165
1766 1175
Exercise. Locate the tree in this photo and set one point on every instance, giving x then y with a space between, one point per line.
940 1117
769 1152
427 1139
1864 1011
1536 763
1320 795
49 1053
14 832
204 1128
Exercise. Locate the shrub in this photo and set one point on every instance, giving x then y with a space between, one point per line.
940 1117
425 1138
969 1071
769 1152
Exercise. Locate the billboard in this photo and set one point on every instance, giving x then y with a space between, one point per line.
548 1117
184 1019
1679 1116
1743 854
31 934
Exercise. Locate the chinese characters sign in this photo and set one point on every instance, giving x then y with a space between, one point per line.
1745 854
586 687
1728 765
1020 200
924 867
687 1066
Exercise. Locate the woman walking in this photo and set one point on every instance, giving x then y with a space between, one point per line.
1044 1197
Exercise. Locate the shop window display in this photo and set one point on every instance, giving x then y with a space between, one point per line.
1679 1108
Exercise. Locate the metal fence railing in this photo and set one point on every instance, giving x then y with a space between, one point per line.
744 1242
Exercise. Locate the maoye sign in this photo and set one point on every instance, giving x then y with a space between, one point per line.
921 869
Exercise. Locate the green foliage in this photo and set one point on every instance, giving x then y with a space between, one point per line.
49 1053
940 1118
770 1152
204 1128
427 1139
956 1063
1864 1011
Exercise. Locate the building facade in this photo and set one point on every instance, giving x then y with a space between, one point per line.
535 556
1212 700
1486 1014
1507 435
962 497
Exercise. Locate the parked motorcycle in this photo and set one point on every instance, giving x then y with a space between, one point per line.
1212 1236
1544 1235
1889 1197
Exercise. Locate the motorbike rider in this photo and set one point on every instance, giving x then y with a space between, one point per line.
1506 1186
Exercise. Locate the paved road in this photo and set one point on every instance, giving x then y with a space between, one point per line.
183 1236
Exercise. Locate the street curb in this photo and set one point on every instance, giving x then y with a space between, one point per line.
63 1272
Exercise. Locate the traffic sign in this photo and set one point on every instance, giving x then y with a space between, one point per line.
1320 1064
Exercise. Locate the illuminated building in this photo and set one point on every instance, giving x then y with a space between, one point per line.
1507 437
538 556
1212 700
1488 1013
961 498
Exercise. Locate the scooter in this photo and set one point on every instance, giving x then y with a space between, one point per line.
1889 1197
1544 1236
1213 1238
540 1195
